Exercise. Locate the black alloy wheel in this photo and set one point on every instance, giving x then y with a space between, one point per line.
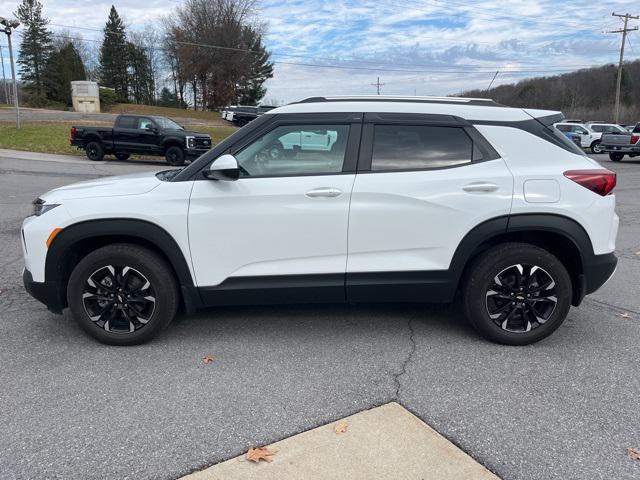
94 151
119 299
521 298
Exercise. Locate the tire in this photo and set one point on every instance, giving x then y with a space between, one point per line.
487 302
595 147
174 156
121 320
94 151
616 157
123 156
275 151
241 123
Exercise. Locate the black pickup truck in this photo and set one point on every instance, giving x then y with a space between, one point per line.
141 134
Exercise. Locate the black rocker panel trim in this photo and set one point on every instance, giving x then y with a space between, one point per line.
276 289
117 227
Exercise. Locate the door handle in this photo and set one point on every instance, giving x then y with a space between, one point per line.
480 187
327 192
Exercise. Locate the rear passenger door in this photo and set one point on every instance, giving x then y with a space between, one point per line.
421 186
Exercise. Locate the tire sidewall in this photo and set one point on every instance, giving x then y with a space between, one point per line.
180 157
496 260
146 263
595 147
99 151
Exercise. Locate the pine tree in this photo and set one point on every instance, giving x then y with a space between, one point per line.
114 56
36 45
250 86
63 67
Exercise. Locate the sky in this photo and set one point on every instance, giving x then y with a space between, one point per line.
420 47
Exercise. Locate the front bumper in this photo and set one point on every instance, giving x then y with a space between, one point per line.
45 292
196 152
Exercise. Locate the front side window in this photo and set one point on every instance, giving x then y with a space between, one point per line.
419 147
295 150
144 123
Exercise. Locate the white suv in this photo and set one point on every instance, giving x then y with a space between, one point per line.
590 133
411 199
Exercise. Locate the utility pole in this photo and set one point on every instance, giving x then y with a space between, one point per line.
8 26
4 78
624 32
378 85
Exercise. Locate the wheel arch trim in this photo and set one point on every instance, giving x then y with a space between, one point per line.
115 227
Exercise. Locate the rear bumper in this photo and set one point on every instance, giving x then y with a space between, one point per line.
45 292
597 271
620 148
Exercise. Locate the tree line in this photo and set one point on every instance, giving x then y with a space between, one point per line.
587 94
206 54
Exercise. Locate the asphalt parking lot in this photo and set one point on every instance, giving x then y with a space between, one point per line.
565 408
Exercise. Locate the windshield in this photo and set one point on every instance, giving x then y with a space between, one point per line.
167 123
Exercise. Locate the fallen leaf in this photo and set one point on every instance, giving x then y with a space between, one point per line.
260 453
623 315
207 359
341 427
634 453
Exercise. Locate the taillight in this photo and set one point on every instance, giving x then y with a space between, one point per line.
634 139
600 181
73 132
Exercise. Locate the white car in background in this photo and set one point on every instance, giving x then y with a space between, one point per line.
590 133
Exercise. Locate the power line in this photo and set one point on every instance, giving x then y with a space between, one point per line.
460 68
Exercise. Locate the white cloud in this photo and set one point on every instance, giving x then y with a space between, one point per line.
425 37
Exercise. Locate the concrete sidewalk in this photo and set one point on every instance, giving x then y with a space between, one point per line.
381 443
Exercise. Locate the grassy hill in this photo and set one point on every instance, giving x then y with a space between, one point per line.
588 94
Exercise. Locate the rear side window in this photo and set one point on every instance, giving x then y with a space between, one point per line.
419 147
127 122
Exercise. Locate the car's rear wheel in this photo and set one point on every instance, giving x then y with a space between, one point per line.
174 156
122 156
516 294
122 294
595 147
94 151
616 157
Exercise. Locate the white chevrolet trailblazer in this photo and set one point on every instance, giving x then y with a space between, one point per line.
336 199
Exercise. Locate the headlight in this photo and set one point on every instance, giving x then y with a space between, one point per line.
39 207
191 142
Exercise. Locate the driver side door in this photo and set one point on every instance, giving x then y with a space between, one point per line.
278 233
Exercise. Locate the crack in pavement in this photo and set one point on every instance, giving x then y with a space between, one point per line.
405 363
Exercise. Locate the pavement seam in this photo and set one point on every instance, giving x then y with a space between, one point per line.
405 363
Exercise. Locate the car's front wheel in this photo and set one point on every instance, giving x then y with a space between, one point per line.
516 293
174 156
122 294
596 147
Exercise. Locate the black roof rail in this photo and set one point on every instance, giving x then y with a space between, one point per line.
485 102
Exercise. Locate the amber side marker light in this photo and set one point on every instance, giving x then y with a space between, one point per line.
54 233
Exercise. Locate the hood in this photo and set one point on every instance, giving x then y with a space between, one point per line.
132 184
196 134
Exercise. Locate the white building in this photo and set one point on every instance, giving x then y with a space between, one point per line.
85 96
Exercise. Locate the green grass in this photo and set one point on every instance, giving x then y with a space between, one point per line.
210 117
47 137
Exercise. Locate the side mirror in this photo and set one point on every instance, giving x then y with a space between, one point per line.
223 168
